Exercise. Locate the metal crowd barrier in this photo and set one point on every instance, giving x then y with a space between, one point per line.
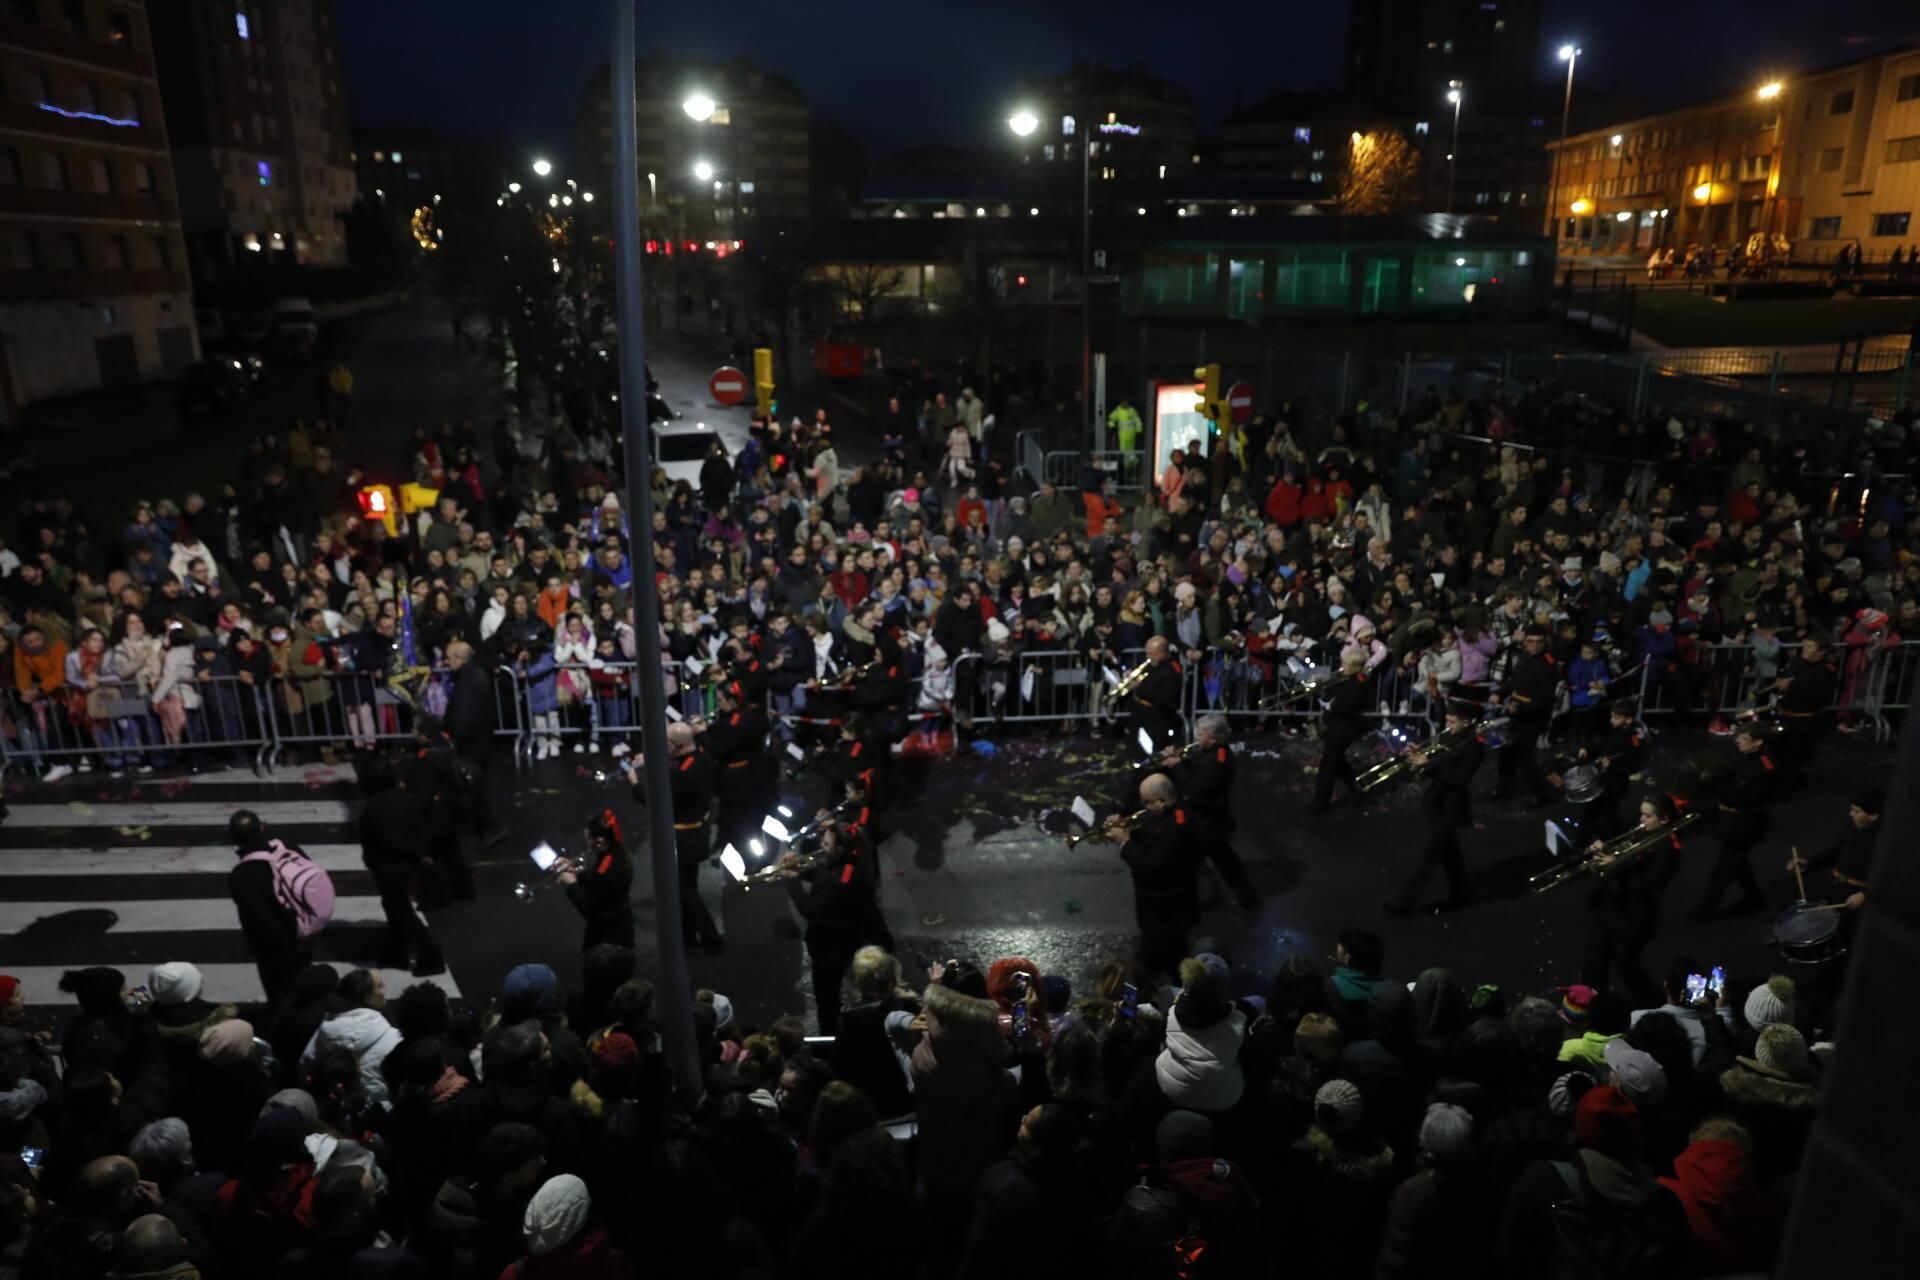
118 725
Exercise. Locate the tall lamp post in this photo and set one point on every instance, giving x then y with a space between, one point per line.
1454 95
1770 92
1569 54
1023 123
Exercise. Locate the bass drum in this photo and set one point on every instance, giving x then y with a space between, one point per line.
1809 933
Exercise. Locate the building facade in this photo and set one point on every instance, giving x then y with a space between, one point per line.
1826 158
94 289
742 154
259 129
1138 128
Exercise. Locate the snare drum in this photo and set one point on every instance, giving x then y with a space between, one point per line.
1582 784
1809 933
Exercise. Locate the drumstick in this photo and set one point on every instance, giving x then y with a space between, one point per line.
1797 877
1829 906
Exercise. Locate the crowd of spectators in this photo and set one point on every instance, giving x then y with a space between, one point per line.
996 1122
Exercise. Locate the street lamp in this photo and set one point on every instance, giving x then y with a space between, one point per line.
542 167
1771 90
1454 95
1023 123
698 106
1569 54
702 170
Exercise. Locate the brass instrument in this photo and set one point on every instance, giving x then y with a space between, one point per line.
1762 717
1612 857
1439 745
847 677
768 875
1100 836
1311 689
527 891
1132 680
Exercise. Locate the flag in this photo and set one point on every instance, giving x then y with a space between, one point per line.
407 652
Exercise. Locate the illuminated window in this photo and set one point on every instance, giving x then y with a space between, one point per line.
1319 154
1316 176
721 115
1421 129
1047 150
379 157
242 27
1066 126
396 157
746 187
1891 224
264 172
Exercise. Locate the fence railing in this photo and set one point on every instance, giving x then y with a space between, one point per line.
228 719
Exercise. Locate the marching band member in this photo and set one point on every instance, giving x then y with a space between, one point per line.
1204 776
1626 907
692 800
1448 805
1533 685
1164 857
1341 724
736 738
1155 702
1848 860
1743 823
1806 694
836 899
1617 753
602 890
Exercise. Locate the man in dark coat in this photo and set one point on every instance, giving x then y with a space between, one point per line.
1448 805
691 797
1155 702
394 844
836 900
1745 799
1341 725
1204 775
1531 690
1163 851
716 479
470 724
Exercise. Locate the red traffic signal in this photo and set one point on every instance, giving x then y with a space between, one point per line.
376 501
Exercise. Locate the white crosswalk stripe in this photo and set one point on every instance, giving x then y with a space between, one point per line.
140 878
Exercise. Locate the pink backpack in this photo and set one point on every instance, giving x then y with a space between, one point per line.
300 884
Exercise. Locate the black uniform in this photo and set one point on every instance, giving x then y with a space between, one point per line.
861 759
1341 725
1808 696
393 840
837 901
1626 910
1205 781
1448 805
1847 865
692 799
470 723
603 895
273 937
1155 704
1743 823
443 783
1164 852
737 742
1622 750
857 832
1533 684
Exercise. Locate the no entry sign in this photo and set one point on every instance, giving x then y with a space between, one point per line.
728 386
1240 401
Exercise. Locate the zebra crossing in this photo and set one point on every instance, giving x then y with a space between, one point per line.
133 873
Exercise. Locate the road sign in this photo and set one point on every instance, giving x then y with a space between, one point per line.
1240 401
728 386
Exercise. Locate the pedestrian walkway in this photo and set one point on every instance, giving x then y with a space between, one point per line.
137 875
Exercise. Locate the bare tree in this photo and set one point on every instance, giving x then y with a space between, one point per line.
1382 174
861 285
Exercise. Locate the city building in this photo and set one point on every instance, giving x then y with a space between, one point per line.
717 144
259 128
1138 128
94 289
1825 158
1403 54
405 167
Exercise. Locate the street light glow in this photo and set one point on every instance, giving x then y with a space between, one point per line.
1770 90
1703 191
513 188
702 170
1568 52
1023 122
542 167
1453 96
698 106
1616 139
587 196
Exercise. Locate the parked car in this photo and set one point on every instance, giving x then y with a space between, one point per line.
679 447
294 329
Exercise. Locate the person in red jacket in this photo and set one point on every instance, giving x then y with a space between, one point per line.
1283 503
559 1241
1318 503
1734 1224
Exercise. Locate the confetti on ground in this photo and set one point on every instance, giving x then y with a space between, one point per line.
933 922
80 807
136 833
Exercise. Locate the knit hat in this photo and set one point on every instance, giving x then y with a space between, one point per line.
1338 1106
1781 1052
1183 1135
175 982
1636 1073
229 1041
722 1012
527 989
1609 563
1205 997
298 1101
8 985
1447 1133
1567 1091
1770 1003
556 1214
1660 618
1576 1002
1607 1121
97 989
615 1049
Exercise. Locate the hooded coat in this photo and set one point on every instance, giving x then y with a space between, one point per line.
1735 1225
1199 1066
966 1103
368 1035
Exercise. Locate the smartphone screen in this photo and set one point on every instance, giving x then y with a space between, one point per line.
1129 1001
1020 1025
32 1157
543 856
1717 980
1696 987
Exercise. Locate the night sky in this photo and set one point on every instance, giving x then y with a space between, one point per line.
901 71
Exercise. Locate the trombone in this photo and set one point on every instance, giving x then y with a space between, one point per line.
1099 834
1415 756
1310 689
1613 856
1132 680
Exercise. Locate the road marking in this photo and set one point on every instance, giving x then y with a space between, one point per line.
200 813
231 983
317 773
144 860
171 915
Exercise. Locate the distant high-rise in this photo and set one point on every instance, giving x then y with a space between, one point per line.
258 123
1403 52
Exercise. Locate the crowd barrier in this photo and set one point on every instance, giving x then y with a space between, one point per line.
549 708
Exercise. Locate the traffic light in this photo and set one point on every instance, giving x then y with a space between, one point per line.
763 380
1208 401
376 503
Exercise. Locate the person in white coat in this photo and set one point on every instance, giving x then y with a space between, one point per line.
187 548
573 651
362 1030
1199 1064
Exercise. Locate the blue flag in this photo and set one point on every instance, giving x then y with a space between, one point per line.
406 630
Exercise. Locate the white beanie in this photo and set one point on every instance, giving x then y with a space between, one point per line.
175 982
1770 1003
1447 1133
1341 1098
556 1214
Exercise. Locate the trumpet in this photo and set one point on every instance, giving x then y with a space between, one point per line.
1311 689
1100 836
768 875
1132 680
527 891
1613 856
1413 757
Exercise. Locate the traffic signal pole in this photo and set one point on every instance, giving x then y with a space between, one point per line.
673 991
